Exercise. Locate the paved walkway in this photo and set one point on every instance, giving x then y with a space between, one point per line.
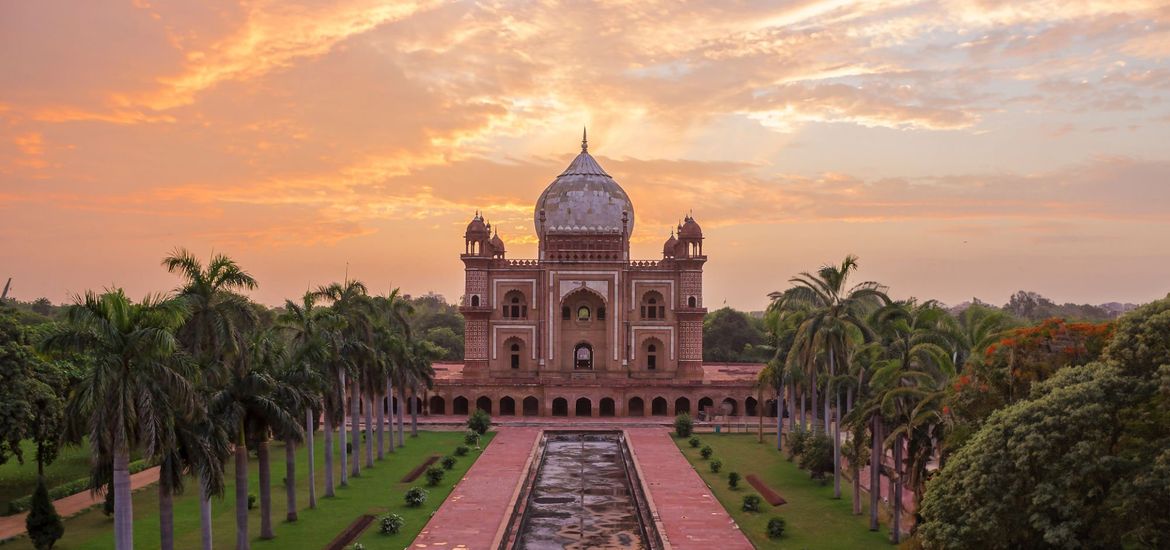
13 526
691 516
478 506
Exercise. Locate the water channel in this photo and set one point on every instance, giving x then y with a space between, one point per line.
584 495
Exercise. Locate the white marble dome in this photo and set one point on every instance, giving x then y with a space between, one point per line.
584 199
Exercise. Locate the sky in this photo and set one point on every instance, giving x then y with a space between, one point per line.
960 148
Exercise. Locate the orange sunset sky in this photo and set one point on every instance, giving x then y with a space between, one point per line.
960 148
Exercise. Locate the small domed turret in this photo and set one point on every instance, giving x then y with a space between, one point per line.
669 246
690 228
476 227
497 245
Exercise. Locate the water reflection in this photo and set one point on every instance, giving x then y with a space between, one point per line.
581 497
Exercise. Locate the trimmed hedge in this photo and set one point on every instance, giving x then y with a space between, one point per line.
23 504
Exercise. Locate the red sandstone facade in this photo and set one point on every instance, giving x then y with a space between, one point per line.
584 330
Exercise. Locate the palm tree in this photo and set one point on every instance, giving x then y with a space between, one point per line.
122 402
219 316
187 446
248 405
420 374
351 304
309 328
835 322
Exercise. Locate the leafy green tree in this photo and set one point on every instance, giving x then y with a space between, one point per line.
135 383
727 333
43 523
31 396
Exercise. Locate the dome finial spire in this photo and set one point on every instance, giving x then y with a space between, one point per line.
584 140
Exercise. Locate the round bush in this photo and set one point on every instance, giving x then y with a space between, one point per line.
461 450
694 441
776 527
390 524
683 425
251 501
716 465
448 462
751 503
415 497
733 479
479 421
435 475
471 437
706 452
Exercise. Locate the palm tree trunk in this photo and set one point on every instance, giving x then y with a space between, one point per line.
166 511
241 492
290 479
309 446
828 413
875 473
837 446
344 437
780 418
355 424
381 418
265 490
897 528
329 451
123 509
204 515
792 401
401 414
369 432
413 413
813 396
389 404
803 411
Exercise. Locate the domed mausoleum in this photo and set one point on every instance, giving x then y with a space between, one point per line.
583 329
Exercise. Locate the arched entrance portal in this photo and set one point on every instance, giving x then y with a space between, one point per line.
584 407
682 405
607 406
658 406
460 405
507 407
484 404
637 407
437 405
583 355
560 407
531 406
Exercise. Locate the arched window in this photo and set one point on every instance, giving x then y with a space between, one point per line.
583 313
652 357
653 306
515 356
583 355
692 302
515 306
474 301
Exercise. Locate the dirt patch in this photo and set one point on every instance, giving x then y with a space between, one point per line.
350 533
413 475
769 495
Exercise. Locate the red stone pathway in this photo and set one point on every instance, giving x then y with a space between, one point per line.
478 506
13 526
690 514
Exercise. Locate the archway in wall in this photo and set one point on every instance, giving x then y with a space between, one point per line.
460 405
749 407
438 406
418 403
706 405
607 406
658 406
560 407
531 406
584 407
484 403
682 405
636 407
770 408
507 406
583 356
729 407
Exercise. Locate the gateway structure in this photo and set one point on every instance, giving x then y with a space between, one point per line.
584 329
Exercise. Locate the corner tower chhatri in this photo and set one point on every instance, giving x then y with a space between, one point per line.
583 309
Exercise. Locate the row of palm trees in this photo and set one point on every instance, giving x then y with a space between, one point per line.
878 368
202 375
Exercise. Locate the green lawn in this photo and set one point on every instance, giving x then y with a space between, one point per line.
814 518
377 490
18 480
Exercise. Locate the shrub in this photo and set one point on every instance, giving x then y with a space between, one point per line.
435 475
797 440
390 524
43 524
683 425
733 479
694 441
716 465
357 546
471 437
251 501
415 497
751 503
448 462
776 527
480 421
706 452
108 505
818 456
461 450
